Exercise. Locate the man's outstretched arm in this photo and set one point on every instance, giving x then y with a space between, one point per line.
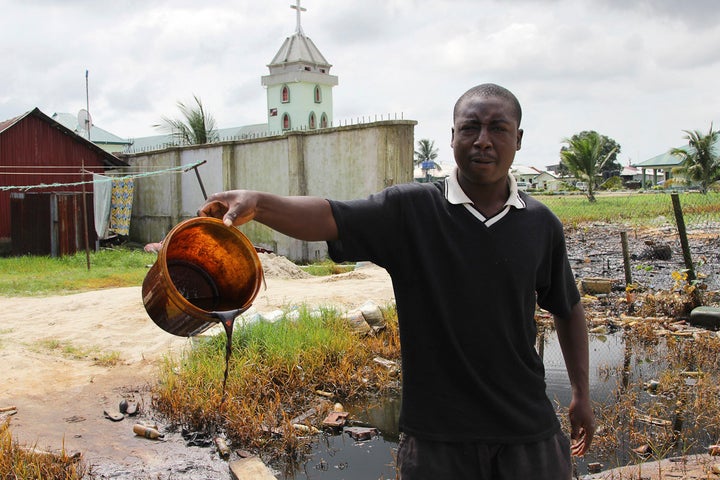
304 218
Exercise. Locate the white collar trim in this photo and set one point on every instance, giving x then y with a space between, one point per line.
455 194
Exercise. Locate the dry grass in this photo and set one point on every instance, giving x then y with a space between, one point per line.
28 463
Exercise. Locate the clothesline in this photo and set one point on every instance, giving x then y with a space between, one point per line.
121 177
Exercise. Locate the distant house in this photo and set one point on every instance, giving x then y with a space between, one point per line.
658 167
546 181
102 138
441 170
42 165
524 174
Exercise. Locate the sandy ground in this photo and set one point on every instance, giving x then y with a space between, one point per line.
60 400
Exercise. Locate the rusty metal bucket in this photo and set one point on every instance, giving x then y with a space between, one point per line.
203 268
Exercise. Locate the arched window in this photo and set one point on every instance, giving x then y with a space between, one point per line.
323 121
318 94
311 121
286 121
285 94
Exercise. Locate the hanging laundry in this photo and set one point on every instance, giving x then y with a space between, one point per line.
102 187
121 205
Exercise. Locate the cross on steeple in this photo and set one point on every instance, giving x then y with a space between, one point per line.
299 9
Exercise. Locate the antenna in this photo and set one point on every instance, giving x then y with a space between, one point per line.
88 121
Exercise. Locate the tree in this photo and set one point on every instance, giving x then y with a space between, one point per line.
701 162
425 156
196 128
584 157
611 167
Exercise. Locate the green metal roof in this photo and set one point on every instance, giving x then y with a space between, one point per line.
665 160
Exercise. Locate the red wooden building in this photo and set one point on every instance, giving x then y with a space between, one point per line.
42 165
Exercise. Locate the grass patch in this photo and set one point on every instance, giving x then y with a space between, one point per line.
275 371
41 276
70 351
327 267
636 208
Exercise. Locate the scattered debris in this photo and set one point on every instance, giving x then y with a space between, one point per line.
361 433
658 422
336 419
389 364
222 447
366 319
644 450
706 317
596 285
114 416
147 432
196 439
302 428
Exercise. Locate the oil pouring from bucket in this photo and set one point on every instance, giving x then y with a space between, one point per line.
205 273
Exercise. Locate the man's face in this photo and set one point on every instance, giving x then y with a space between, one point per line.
485 137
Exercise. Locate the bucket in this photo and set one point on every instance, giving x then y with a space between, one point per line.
203 268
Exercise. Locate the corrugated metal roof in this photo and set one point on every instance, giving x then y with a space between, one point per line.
665 160
97 134
108 158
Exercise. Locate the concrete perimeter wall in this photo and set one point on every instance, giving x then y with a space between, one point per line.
341 163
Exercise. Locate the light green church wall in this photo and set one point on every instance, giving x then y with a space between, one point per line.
302 102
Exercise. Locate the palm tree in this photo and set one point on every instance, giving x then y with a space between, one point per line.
196 128
700 160
425 156
584 158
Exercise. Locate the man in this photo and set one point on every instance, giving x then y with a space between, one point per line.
469 257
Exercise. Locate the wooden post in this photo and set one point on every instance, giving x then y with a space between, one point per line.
626 258
697 294
85 219
683 237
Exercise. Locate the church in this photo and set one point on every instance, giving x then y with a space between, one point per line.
298 91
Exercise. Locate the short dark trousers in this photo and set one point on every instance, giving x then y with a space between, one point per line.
428 460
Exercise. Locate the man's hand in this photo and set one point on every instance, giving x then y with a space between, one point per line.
582 426
234 207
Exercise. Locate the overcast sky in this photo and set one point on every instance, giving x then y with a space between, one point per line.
639 72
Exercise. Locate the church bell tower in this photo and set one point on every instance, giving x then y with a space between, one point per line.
299 86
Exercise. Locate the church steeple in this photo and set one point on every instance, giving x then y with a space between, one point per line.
299 87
